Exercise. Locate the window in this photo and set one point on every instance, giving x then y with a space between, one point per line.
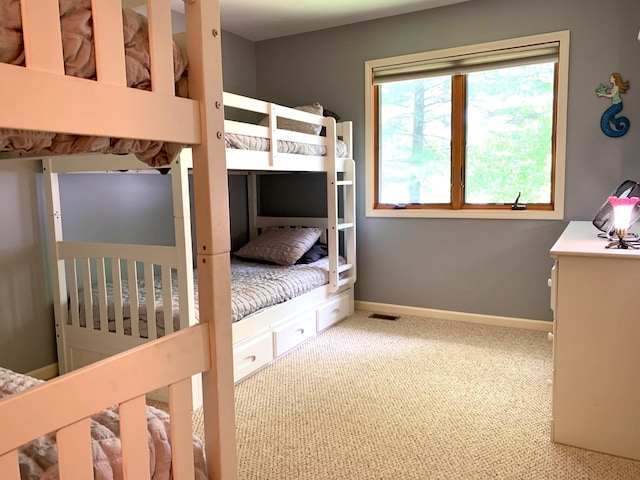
469 132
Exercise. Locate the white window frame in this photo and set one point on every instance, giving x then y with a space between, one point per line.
557 213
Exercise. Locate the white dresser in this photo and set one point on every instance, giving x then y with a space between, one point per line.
595 296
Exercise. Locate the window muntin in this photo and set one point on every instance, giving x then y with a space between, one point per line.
460 171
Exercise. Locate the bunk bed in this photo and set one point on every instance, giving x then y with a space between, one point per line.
275 306
104 107
38 96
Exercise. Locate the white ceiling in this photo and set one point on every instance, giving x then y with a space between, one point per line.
264 19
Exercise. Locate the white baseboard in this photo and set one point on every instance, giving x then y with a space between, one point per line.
542 325
45 373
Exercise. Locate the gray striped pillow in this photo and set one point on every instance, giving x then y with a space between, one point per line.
283 246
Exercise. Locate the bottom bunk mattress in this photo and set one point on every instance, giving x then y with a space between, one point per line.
254 286
38 458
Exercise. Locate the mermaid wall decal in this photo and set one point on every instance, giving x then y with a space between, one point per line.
611 125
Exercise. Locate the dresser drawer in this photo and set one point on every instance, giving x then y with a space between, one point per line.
295 332
334 310
249 355
553 285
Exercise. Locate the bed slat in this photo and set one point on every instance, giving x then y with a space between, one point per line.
158 254
160 46
9 465
42 35
134 435
134 303
75 458
254 160
102 295
273 133
150 304
180 403
72 278
87 291
245 103
116 276
109 42
84 107
167 300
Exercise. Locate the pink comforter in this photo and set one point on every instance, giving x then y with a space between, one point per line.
38 459
79 58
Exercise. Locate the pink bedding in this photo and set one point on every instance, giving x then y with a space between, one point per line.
38 459
79 58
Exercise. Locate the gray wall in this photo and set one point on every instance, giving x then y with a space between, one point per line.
117 208
135 208
494 267
239 64
27 340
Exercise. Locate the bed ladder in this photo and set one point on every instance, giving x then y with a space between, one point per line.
341 199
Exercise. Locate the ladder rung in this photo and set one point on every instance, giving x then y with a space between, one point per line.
345 267
345 226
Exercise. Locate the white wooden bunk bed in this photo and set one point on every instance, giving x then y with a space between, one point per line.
280 315
39 96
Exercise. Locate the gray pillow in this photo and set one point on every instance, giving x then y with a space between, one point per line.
283 246
295 125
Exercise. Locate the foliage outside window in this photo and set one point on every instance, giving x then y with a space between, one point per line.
464 132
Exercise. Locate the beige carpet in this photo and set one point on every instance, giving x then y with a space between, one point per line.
415 398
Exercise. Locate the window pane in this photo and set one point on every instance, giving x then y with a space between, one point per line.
414 132
509 135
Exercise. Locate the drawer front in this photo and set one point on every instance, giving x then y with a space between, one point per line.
334 310
553 285
295 332
250 355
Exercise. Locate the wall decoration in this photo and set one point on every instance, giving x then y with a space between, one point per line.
611 125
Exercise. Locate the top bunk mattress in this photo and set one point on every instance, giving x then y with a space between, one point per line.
80 61
248 142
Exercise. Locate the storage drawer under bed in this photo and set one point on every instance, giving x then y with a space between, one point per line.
334 311
294 332
249 355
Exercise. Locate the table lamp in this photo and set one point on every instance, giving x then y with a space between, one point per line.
622 209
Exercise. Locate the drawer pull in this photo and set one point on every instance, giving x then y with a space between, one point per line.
247 361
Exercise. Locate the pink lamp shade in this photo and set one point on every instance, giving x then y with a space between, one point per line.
622 209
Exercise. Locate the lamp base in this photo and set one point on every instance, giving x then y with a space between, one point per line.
623 244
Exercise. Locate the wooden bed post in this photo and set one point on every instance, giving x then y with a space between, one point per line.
184 247
252 200
213 234
58 272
